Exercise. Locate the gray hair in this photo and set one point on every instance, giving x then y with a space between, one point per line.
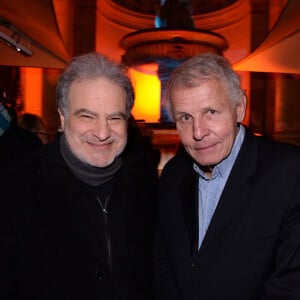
91 66
200 68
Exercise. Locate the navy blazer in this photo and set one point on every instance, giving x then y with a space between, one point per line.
252 246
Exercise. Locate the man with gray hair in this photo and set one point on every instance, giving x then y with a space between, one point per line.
77 218
229 202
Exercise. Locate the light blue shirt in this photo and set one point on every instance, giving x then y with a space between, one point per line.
210 189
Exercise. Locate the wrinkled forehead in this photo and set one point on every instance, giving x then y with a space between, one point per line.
212 84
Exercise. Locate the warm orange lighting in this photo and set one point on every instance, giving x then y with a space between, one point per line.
147 96
32 90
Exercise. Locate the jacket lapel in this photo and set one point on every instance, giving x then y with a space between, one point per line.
189 204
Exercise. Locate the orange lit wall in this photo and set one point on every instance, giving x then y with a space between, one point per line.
147 96
32 90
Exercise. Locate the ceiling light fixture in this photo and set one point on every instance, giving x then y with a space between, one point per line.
14 38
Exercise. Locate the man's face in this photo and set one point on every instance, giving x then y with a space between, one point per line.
96 128
206 121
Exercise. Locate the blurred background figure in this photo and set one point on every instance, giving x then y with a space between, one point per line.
35 124
140 146
15 142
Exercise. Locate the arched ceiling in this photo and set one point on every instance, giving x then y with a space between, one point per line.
279 52
198 6
115 21
36 20
49 25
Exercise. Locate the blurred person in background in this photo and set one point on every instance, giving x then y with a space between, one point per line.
35 124
140 144
15 143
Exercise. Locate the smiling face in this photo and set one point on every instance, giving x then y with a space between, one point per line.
96 126
206 121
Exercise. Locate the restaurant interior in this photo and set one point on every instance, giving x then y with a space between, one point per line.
261 38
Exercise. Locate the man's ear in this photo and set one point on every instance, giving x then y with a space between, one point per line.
62 120
241 109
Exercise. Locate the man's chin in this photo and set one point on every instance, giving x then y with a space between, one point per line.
102 164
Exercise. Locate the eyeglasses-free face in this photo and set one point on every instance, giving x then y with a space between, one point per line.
206 121
96 126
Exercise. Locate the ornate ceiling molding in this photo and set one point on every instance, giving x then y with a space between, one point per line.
149 46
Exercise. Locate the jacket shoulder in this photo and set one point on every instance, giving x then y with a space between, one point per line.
178 166
282 153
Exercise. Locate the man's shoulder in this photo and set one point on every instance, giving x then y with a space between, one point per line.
270 154
279 150
179 165
32 165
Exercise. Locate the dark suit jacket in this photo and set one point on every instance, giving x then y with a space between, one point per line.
252 246
52 242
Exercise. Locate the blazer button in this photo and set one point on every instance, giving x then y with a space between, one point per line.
98 275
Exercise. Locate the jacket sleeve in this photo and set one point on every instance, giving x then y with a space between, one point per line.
284 283
167 237
165 286
8 252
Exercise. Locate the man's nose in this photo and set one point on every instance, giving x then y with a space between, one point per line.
199 129
102 129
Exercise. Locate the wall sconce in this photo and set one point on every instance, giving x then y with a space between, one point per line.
14 38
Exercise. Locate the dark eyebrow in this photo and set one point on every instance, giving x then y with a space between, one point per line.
89 112
118 113
84 111
181 113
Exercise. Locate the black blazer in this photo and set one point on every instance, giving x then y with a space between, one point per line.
252 246
53 245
